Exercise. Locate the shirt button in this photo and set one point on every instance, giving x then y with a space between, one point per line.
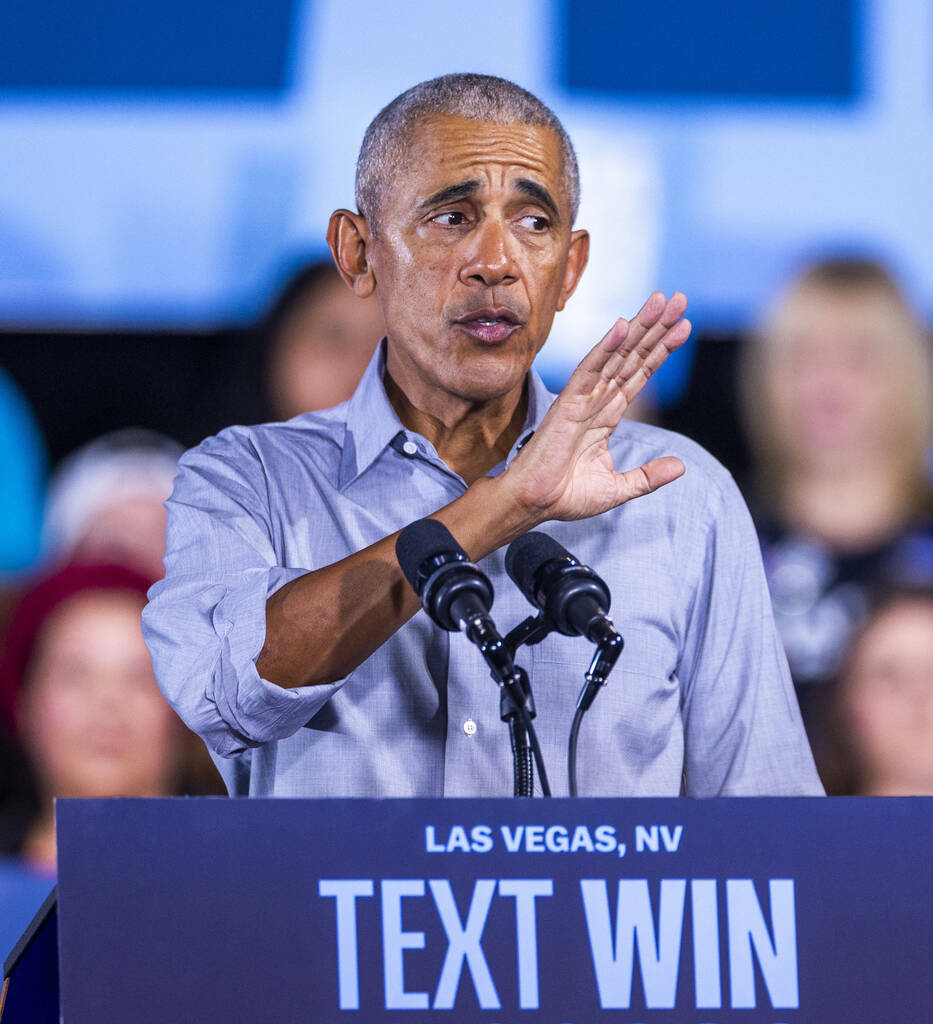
469 727
410 448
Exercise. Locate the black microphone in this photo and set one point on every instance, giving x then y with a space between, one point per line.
452 590
572 599
457 596
570 595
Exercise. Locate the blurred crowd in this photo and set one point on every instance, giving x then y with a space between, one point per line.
836 387
834 390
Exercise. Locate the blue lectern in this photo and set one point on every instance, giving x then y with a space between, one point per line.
498 911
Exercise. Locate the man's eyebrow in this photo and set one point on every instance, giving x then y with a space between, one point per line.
463 189
451 194
539 193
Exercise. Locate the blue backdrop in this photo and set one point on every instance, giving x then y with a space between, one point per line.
163 162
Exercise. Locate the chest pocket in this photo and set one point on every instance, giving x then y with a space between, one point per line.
635 715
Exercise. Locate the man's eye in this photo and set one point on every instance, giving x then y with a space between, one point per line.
535 223
450 218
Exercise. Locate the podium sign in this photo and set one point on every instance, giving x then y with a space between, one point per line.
760 911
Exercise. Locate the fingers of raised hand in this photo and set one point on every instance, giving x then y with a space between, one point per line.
653 312
594 363
657 318
633 376
640 344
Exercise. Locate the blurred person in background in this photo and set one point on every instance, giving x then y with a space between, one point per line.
106 504
105 501
882 707
836 388
318 338
77 682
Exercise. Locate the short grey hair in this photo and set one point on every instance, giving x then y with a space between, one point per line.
478 97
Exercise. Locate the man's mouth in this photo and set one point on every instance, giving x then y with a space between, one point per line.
489 325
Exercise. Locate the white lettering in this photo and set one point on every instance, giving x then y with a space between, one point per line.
606 838
613 955
706 967
513 840
481 838
581 840
346 891
557 839
463 944
645 837
747 928
525 892
534 838
431 845
395 941
671 842
458 839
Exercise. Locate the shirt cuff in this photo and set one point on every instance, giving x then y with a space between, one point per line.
255 709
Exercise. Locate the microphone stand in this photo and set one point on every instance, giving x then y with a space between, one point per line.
516 704
609 646
531 631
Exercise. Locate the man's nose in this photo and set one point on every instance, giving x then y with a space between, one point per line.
490 259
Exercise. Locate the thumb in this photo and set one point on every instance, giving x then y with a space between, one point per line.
649 477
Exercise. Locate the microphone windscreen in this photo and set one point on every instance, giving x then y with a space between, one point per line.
527 554
419 541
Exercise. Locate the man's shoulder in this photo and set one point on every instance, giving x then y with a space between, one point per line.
267 456
308 432
634 443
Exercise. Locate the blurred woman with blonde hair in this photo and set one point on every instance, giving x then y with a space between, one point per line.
837 394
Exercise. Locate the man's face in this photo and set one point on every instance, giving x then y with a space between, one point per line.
472 255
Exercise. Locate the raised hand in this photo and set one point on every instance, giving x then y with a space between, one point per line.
565 471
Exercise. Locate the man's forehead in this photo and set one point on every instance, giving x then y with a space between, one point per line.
442 149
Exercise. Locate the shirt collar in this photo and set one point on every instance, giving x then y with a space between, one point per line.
372 424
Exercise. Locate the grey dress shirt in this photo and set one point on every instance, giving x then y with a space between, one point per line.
700 702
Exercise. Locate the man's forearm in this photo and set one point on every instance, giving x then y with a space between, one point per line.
324 624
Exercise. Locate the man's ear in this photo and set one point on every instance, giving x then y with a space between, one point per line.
577 257
348 236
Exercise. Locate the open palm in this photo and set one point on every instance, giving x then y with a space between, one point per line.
566 470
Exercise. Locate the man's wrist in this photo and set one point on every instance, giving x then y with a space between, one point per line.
488 516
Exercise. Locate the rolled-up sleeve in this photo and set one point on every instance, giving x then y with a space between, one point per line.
743 731
205 623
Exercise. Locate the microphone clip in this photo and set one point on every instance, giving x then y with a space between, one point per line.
608 649
529 632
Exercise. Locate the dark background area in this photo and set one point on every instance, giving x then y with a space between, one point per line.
188 385
82 384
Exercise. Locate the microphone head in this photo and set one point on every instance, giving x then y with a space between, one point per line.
526 555
452 590
569 594
419 544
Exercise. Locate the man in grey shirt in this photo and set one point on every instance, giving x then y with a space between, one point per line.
284 632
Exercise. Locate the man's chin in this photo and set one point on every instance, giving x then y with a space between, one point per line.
496 369
473 374
481 384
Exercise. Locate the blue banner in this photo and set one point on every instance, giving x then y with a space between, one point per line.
220 49
795 50
713 912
